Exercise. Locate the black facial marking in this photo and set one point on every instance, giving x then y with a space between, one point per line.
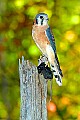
42 22
41 17
36 21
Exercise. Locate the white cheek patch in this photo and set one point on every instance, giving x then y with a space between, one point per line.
44 22
39 21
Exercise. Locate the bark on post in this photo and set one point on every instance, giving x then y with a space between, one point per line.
33 90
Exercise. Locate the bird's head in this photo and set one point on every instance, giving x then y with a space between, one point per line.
41 19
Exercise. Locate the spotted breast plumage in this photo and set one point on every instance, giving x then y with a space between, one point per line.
44 39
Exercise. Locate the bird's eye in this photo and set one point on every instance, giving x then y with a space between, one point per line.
41 17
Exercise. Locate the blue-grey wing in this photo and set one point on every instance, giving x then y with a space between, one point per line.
52 42
51 39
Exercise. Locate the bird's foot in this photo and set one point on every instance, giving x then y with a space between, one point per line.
43 59
44 69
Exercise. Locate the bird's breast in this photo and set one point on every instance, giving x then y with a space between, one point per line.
40 38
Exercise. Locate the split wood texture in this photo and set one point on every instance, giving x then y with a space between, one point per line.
33 91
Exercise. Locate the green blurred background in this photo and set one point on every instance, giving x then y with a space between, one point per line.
16 19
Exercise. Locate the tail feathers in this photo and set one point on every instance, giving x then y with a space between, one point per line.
58 74
56 61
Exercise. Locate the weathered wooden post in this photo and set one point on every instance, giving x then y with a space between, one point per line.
33 90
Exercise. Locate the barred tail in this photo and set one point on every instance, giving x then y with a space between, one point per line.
57 73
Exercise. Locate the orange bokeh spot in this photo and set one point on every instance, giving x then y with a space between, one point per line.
70 36
51 107
79 116
65 101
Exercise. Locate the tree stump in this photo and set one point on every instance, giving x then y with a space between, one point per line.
33 91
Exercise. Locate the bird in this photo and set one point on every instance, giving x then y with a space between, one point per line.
45 41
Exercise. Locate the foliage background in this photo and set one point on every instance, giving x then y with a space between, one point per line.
16 19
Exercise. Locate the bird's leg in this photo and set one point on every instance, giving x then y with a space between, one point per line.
43 59
41 63
45 71
43 67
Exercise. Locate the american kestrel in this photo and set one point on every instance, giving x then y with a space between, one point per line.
44 39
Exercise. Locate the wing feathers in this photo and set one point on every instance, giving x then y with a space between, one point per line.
51 38
56 66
